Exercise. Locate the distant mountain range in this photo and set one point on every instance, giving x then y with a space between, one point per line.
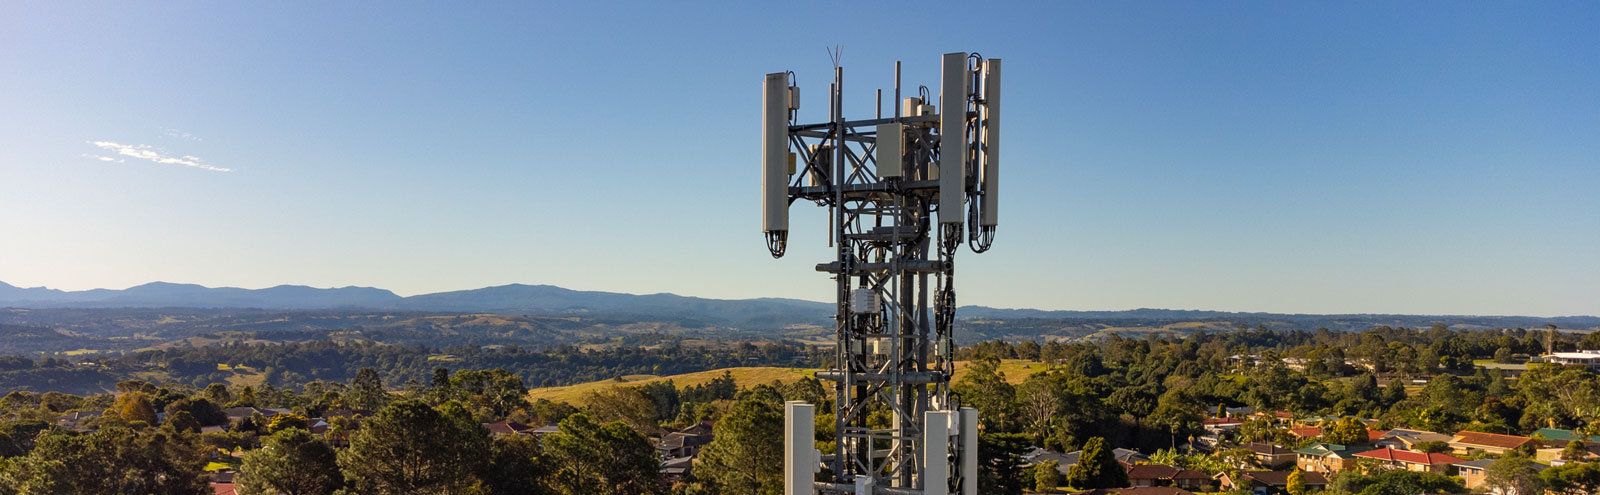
164 294
514 298
745 313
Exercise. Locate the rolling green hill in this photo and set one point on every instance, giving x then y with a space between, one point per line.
1015 371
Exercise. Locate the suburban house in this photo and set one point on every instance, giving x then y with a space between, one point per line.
1551 453
677 468
238 414
1305 431
78 421
1276 416
1491 443
1162 475
686 442
1322 457
1128 458
1148 490
1063 461
1269 455
1412 461
1580 358
1374 435
1403 439
1264 482
1473 472
1218 426
1564 436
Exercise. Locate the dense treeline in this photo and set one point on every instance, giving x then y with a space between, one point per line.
1152 393
1385 348
294 364
380 442
1149 394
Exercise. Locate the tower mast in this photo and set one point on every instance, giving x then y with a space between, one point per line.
901 193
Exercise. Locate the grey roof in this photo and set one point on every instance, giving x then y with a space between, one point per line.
1063 461
1129 456
1480 463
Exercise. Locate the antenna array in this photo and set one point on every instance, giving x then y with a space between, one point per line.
902 193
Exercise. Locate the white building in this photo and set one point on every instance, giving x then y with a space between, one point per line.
1585 358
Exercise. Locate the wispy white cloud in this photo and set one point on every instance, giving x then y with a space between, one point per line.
170 132
154 154
103 158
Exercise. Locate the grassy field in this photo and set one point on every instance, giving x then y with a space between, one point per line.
1015 370
745 376
1490 364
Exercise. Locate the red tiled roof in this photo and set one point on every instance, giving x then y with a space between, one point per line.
1306 431
1374 435
1490 439
1152 472
224 489
1389 454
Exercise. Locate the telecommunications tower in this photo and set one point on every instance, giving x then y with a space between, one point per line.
903 193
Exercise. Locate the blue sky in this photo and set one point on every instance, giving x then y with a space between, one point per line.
1409 157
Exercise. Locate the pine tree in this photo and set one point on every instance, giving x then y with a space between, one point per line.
111 460
746 456
292 462
366 391
1000 463
608 459
1046 477
1096 468
409 447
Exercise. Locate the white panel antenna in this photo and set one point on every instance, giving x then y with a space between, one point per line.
990 176
953 139
775 169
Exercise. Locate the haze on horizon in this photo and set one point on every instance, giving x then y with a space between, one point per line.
1368 157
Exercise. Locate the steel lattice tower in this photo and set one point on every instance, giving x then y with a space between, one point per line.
900 191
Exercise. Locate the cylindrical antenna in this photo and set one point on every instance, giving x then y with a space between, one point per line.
897 89
832 103
880 103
